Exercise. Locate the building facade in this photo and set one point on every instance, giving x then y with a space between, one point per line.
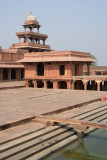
59 69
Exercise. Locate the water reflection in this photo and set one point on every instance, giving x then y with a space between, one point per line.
93 147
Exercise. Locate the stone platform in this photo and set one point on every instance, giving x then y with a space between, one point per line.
11 84
17 104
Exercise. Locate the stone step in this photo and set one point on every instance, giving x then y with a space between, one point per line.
19 131
40 147
18 150
94 115
24 139
90 108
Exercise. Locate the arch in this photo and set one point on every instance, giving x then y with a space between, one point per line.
13 73
40 84
103 86
49 84
79 85
62 85
92 85
40 69
5 74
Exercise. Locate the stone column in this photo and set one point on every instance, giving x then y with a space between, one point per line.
85 84
35 83
1 74
45 84
19 39
73 84
9 74
43 42
38 30
69 84
38 41
98 85
55 84
27 83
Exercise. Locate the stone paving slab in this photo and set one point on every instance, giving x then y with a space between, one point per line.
17 104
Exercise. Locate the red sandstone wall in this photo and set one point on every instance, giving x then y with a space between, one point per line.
52 70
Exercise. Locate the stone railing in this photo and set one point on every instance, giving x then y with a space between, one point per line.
27 44
31 33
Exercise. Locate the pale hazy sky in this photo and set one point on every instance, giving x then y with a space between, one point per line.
79 25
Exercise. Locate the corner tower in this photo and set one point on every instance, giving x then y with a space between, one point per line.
30 40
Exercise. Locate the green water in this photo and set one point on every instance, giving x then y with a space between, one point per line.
92 147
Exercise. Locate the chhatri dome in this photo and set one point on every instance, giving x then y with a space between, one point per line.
31 17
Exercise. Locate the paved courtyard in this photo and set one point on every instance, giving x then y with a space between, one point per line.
17 104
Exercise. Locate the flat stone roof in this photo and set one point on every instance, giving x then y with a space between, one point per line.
17 104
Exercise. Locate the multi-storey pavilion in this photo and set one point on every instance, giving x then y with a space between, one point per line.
9 69
30 40
57 69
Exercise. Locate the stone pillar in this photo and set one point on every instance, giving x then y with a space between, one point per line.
35 83
73 84
38 30
98 85
38 41
85 84
27 83
45 84
1 74
55 84
19 39
68 84
9 74
43 42
25 29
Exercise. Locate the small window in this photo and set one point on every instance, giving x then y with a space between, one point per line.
62 69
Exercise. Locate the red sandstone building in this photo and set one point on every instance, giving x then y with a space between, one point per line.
56 69
45 68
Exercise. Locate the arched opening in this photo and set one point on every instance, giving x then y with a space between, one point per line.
13 73
49 84
91 85
31 83
79 85
5 74
22 74
62 85
40 84
103 86
40 69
